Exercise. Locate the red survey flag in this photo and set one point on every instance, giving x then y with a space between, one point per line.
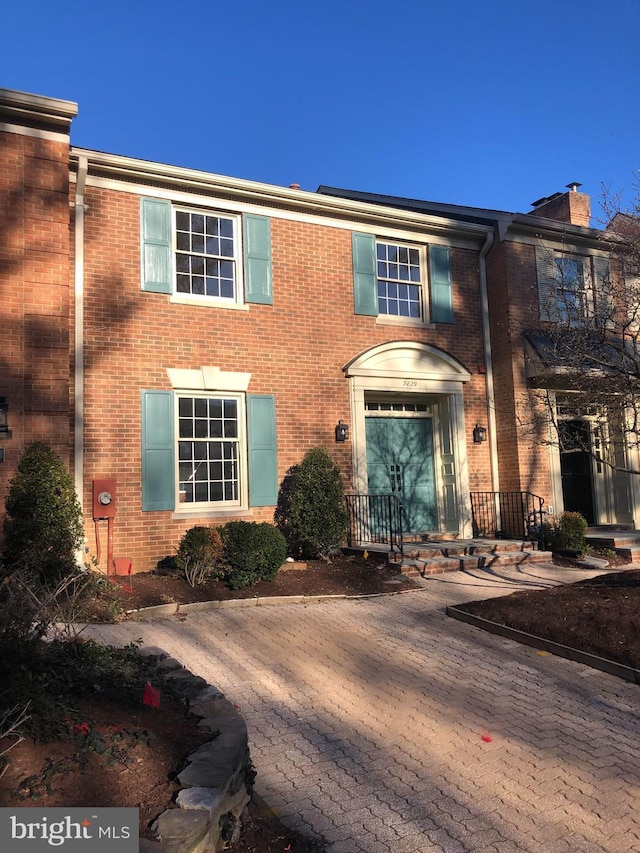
151 696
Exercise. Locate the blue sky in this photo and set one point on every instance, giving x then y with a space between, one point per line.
490 104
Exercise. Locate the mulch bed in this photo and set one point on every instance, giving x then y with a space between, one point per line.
346 574
600 616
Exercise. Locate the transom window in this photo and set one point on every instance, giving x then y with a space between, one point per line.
209 450
206 254
399 280
395 407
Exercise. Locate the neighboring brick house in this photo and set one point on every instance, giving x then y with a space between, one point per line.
546 270
189 336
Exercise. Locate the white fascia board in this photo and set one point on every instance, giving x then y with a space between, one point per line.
50 110
162 181
524 228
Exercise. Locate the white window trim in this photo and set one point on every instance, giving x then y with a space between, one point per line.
206 507
200 299
395 319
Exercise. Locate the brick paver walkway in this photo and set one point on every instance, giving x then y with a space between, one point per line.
385 726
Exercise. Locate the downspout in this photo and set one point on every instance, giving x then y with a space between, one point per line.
486 334
79 208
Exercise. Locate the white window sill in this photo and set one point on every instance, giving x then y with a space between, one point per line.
206 302
390 320
227 512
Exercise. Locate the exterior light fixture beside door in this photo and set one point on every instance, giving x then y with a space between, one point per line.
342 431
479 434
5 432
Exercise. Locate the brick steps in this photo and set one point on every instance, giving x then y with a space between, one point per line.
626 543
428 558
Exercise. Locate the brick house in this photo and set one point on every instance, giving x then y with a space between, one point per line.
547 270
182 338
187 337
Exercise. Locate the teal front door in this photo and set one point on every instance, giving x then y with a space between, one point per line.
400 462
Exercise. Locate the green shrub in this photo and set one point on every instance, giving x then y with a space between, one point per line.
311 510
199 554
252 552
43 522
568 533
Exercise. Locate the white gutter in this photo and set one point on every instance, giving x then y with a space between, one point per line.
158 175
79 208
486 334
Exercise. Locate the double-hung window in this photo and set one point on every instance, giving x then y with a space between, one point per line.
571 296
402 282
204 255
400 292
206 450
209 449
573 289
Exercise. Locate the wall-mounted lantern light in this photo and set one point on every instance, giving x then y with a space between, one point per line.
5 432
342 431
479 434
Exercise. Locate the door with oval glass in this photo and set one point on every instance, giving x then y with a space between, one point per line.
400 462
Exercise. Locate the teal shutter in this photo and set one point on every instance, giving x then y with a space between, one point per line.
257 259
263 467
365 280
441 284
158 490
547 273
155 230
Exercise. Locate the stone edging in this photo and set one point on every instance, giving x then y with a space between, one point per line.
173 609
217 777
610 667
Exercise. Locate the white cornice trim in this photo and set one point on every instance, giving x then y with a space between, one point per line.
28 108
530 228
157 179
419 230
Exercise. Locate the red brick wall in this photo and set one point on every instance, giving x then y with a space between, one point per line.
35 292
294 349
513 307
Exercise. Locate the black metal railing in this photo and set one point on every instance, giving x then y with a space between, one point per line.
375 519
508 515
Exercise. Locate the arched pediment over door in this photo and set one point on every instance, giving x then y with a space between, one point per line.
405 373
410 360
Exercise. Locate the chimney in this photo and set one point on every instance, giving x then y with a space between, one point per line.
573 207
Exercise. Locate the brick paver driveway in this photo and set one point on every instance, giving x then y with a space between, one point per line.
384 725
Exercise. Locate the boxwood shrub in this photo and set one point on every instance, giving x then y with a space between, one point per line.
252 552
199 555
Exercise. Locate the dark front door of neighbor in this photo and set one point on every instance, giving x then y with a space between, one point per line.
576 468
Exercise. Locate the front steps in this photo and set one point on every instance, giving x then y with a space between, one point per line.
624 541
438 556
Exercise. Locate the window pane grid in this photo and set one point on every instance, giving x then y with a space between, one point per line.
205 259
571 296
208 470
399 281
